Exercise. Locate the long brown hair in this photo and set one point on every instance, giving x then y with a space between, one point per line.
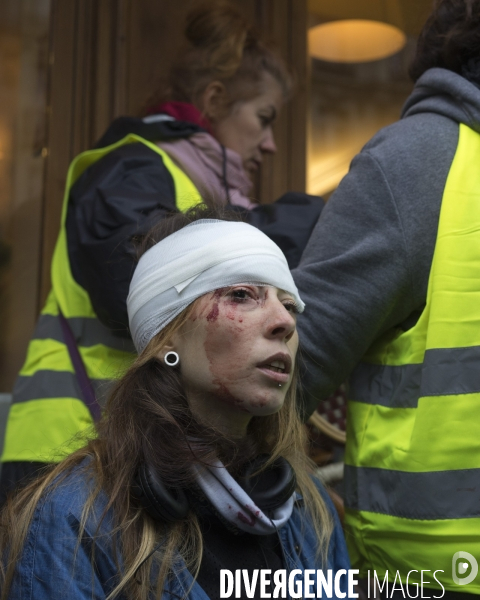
220 45
148 419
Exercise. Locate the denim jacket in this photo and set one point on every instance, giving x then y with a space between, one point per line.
47 569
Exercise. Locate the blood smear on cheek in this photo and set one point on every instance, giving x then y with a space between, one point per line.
226 396
213 314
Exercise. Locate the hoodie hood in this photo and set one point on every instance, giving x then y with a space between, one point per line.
448 94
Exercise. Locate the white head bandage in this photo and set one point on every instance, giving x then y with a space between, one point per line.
200 258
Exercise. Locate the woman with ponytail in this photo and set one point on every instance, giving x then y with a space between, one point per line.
202 143
198 464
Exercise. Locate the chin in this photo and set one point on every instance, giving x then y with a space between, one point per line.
266 406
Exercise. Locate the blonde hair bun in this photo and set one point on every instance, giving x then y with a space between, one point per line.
222 45
221 32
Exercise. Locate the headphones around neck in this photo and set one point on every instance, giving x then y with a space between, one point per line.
269 489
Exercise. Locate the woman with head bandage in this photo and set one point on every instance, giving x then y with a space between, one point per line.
198 470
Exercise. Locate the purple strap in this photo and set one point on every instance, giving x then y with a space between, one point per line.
88 394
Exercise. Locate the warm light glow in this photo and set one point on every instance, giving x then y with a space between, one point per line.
354 40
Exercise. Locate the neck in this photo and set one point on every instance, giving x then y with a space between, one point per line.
221 413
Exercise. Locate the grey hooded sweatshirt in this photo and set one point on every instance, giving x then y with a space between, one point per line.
365 269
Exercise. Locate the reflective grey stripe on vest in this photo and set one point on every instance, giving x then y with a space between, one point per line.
445 371
427 496
89 331
55 384
395 387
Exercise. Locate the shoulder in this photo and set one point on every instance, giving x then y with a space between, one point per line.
59 512
406 160
131 178
421 139
130 160
414 156
56 561
69 494
399 178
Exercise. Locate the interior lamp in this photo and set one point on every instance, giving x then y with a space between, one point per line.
354 40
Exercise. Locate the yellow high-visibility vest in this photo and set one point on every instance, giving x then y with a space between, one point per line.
47 409
413 439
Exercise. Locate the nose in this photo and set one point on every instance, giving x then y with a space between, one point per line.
281 322
268 142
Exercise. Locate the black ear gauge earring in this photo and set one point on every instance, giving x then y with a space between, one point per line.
171 359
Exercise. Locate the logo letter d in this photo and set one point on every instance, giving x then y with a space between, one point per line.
462 568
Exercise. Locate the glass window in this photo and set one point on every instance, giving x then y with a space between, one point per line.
351 101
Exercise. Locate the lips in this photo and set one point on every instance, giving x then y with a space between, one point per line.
277 367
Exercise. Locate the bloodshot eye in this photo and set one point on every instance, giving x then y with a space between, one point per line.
240 295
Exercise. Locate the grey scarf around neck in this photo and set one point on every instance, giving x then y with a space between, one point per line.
234 505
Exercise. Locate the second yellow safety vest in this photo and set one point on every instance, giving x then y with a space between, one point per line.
48 410
413 442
